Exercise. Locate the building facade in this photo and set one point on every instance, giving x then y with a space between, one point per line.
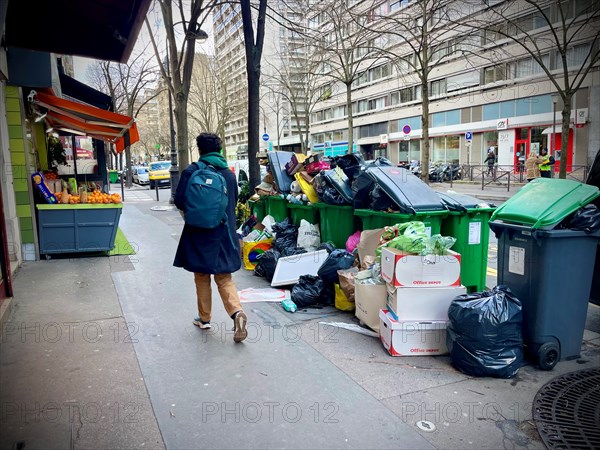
485 90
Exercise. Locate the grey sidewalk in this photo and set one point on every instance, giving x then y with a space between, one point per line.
295 383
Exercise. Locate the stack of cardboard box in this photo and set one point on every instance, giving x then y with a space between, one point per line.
419 292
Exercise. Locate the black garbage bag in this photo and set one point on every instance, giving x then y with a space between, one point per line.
332 197
337 260
266 264
585 219
293 251
286 235
362 186
350 164
308 291
249 225
380 201
484 336
329 246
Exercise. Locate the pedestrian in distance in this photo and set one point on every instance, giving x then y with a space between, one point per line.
490 160
532 166
546 164
211 251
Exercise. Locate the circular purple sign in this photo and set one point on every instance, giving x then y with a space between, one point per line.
406 129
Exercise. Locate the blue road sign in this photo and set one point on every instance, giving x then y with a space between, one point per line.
406 129
469 136
265 137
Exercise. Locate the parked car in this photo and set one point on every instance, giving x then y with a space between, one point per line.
158 173
140 175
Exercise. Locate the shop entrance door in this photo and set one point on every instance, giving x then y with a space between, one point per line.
5 282
521 152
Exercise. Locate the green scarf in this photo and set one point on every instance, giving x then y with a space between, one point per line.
214 159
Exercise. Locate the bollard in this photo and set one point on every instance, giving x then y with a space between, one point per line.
122 190
156 187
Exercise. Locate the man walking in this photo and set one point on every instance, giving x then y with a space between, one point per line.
214 251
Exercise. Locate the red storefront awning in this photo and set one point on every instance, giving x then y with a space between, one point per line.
76 117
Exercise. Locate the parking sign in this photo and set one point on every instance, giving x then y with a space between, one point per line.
468 135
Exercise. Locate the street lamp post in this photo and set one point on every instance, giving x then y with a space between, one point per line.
554 100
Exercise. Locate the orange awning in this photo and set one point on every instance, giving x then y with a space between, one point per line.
76 117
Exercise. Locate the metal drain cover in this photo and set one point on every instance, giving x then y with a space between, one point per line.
567 410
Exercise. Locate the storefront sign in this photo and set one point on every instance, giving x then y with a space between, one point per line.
502 124
383 138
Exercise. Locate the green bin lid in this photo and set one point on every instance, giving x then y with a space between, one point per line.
545 202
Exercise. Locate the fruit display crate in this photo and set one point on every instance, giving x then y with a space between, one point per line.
77 228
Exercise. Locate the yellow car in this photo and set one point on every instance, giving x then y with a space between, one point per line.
158 173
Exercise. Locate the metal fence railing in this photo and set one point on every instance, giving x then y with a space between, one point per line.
507 175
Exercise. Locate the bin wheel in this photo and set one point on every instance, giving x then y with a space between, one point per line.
548 356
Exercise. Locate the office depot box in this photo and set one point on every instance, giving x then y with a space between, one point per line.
368 300
412 338
421 303
399 268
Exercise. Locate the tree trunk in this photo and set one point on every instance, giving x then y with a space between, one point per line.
564 146
350 118
253 124
425 145
183 159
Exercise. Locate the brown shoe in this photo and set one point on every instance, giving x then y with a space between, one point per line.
239 322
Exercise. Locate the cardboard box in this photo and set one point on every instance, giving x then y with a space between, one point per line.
411 338
368 300
404 269
421 303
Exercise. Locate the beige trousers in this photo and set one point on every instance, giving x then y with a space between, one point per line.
227 291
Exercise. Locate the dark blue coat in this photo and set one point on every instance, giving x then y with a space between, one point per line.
209 251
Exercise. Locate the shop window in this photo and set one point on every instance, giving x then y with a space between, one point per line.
83 160
541 104
438 119
507 109
413 122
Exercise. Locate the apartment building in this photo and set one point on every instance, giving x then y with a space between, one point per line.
485 91
279 127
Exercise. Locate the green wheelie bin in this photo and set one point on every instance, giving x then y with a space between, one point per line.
468 222
336 222
372 220
549 268
306 212
277 207
258 208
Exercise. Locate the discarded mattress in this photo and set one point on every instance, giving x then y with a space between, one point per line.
407 191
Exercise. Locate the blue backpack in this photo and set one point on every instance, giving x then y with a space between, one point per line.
206 198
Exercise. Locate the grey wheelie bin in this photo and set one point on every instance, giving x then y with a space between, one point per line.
548 268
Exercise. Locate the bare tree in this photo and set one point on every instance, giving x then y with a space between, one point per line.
208 105
344 48
254 47
295 79
420 38
566 50
126 84
180 18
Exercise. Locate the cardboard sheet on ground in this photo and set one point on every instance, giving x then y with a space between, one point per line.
263 295
290 268
351 327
